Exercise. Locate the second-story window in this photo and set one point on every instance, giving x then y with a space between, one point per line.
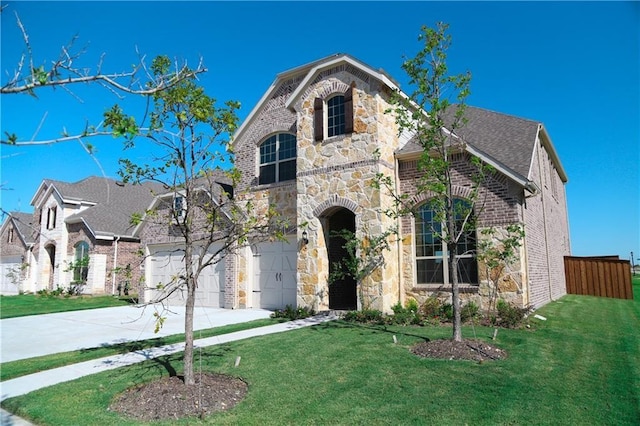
51 218
277 159
335 116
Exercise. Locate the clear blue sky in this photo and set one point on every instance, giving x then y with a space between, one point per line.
573 66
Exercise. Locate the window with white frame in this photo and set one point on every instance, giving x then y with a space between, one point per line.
432 262
179 206
81 259
277 159
333 116
51 217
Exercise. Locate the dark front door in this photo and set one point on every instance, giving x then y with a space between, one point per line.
342 293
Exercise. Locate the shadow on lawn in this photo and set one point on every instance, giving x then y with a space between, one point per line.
365 327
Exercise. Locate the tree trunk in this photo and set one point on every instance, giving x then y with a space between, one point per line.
189 378
455 296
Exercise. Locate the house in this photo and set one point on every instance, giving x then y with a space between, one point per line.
72 221
17 240
312 146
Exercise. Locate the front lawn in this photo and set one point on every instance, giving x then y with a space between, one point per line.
580 366
33 304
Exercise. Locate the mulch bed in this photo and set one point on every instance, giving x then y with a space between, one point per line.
169 398
472 350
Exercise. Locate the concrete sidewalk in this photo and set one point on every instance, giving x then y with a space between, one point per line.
26 384
36 335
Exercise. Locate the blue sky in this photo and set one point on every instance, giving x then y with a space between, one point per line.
573 66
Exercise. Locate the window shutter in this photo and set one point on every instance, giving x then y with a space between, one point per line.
348 111
318 121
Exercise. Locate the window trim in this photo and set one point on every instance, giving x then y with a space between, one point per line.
321 115
443 257
277 162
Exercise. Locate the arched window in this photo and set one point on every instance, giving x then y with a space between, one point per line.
277 159
335 116
81 261
432 263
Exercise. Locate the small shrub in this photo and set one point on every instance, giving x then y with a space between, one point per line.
405 315
371 316
430 309
469 312
510 316
446 312
291 313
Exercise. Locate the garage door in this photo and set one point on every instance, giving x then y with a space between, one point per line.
9 274
275 284
167 263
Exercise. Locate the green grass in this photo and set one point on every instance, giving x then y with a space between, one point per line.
13 369
581 366
32 304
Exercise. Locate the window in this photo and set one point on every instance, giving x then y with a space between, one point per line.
431 252
11 235
81 261
335 116
179 206
51 218
277 159
339 115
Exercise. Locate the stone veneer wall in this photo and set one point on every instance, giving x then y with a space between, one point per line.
338 172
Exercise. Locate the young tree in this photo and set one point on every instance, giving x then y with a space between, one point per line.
433 113
188 131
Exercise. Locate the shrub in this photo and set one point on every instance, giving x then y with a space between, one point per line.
405 315
291 313
373 316
510 316
469 312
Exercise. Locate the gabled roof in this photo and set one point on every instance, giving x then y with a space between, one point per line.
308 72
111 203
504 141
22 222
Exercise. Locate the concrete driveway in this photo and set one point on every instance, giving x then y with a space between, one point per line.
36 335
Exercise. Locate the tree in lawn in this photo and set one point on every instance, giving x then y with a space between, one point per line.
187 131
433 112
65 72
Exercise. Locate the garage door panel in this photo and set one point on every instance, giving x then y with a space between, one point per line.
167 265
275 278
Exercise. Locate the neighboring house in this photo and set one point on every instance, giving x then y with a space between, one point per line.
312 146
89 219
16 243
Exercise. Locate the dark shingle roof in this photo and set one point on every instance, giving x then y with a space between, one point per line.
116 202
508 139
24 225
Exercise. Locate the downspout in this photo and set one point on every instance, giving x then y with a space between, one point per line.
115 265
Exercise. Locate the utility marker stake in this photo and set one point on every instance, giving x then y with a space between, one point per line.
395 340
237 361
495 333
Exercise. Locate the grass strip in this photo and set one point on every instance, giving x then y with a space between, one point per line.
33 304
13 369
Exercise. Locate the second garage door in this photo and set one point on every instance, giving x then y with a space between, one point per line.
275 284
167 263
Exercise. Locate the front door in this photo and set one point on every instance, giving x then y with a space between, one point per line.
342 292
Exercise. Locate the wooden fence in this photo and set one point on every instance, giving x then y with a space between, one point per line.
598 276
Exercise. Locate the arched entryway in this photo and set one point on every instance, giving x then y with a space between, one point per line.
342 293
49 267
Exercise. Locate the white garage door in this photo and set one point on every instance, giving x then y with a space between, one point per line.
9 274
275 284
167 263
